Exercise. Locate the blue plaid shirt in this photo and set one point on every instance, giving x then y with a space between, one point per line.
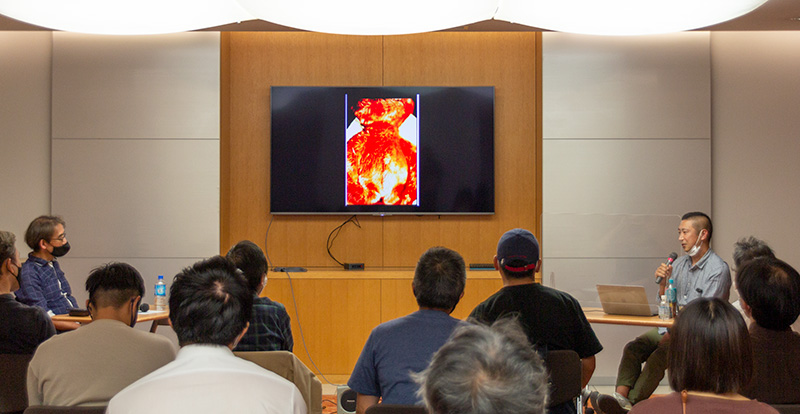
43 284
270 328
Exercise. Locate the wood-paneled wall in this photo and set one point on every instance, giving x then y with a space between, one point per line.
252 62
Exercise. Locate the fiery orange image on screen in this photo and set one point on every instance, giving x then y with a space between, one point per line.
382 165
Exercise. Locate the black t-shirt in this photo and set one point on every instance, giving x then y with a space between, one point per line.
22 327
552 319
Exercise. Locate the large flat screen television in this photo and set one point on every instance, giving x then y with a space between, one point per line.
382 150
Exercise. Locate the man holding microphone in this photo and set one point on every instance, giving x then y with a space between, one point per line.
699 273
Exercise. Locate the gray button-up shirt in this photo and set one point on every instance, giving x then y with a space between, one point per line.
710 277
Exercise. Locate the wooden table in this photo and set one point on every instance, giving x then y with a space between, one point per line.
596 315
158 318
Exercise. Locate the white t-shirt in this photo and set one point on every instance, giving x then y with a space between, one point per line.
209 379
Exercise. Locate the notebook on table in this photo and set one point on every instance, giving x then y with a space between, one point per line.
626 300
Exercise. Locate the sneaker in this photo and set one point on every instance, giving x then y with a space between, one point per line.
612 404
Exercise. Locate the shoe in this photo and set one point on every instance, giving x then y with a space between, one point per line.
612 404
593 399
586 395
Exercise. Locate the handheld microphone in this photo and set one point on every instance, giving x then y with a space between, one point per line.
144 307
670 259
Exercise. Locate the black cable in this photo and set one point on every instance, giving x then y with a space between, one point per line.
302 336
266 237
352 219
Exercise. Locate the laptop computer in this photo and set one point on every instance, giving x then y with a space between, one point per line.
625 300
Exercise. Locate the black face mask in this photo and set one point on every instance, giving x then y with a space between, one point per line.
60 250
135 313
16 276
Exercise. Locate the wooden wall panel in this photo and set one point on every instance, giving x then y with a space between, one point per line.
337 316
506 61
252 62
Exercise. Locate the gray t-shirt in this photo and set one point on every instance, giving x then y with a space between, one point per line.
710 277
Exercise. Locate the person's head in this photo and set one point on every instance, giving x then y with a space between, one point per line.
518 254
485 370
695 231
770 292
748 248
439 279
9 259
249 258
46 233
709 348
115 285
210 303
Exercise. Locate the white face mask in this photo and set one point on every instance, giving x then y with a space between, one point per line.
696 248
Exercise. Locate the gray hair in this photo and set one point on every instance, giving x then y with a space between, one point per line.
485 370
749 248
7 246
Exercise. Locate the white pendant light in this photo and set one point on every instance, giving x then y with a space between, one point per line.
125 16
622 17
371 17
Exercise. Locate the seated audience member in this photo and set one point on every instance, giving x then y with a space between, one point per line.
43 283
744 250
769 290
552 319
90 365
22 327
709 361
485 370
402 346
270 328
209 309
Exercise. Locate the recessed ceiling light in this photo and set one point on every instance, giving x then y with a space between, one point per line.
622 17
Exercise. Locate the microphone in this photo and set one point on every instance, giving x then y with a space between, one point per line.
144 307
670 259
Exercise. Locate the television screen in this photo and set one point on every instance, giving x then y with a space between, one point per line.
382 150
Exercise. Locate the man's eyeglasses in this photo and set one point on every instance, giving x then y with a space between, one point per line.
62 237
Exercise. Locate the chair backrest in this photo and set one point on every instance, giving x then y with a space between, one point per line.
564 367
13 395
286 364
49 409
396 409
787 408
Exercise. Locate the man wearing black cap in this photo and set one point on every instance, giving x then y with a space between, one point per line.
552 319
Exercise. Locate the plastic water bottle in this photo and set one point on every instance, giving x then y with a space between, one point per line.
161 294
663 308
672 298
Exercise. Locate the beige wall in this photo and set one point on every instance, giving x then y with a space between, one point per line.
756 145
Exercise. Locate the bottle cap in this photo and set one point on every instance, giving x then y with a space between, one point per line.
670 280
160 277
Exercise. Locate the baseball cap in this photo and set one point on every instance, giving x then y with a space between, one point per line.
518 250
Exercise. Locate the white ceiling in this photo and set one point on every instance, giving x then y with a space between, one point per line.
773 15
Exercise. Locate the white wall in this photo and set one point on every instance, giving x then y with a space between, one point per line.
626 151
756 145
134 168
25 59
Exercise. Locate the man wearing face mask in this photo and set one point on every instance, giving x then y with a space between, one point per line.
42 282
92 364
22 327
699 273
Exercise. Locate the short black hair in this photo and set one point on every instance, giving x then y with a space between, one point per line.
439 278
700 221
249 258
114 284
209 303
771 288
709 348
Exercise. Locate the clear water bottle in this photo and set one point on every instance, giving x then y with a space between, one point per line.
672 298
663 308
161 294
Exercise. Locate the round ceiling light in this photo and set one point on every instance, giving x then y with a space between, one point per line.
371 17
125 17
622 17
